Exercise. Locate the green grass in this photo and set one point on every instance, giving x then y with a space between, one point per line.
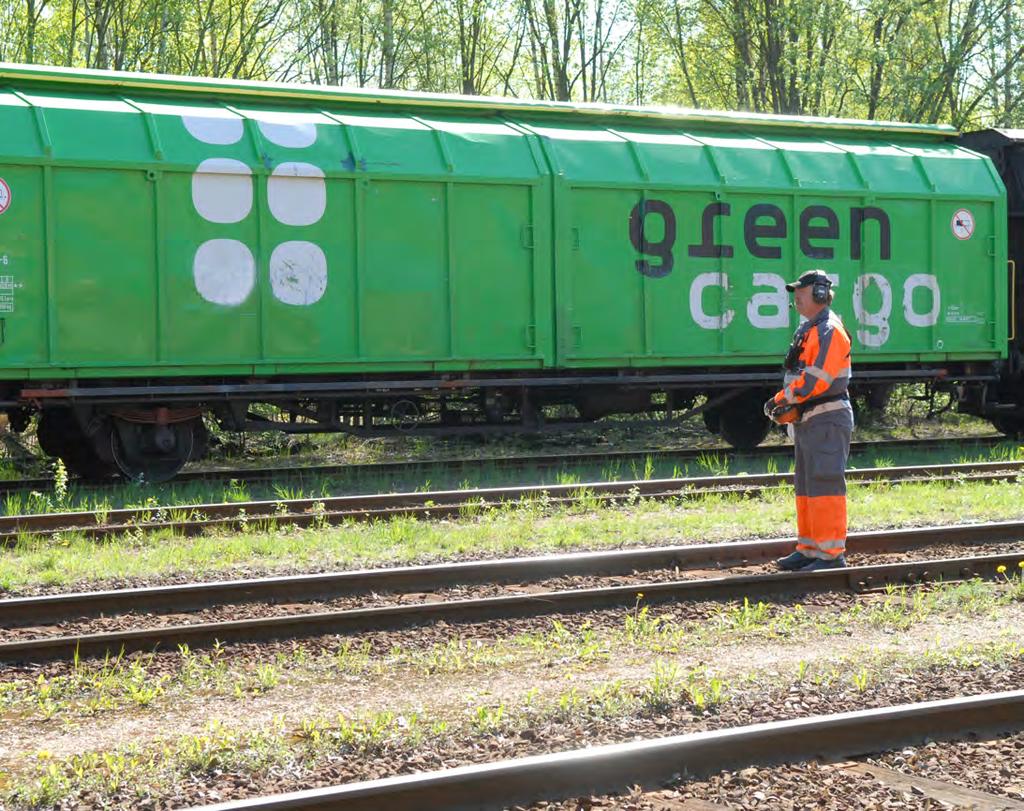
534 526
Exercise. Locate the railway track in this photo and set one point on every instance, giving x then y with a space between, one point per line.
654 762
174 599
542 461
198 518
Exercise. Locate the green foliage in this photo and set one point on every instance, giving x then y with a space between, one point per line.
959 61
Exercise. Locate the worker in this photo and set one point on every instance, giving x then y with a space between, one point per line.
815 406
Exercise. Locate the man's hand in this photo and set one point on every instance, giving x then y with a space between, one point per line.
780 413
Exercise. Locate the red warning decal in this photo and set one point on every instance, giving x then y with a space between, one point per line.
5 196
962 224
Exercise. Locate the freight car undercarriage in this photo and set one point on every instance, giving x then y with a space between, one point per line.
150 430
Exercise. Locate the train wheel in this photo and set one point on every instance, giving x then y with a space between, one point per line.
150 453
743 424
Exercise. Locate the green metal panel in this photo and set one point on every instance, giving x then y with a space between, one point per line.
79 80
404 302
607 310
745 161
20 136
91 129
103 293
702 293
215 317
23 323
304 321
493 286
472 146
811 164
165 225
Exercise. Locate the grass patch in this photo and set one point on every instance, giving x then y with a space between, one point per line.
71 495
115 685
523 527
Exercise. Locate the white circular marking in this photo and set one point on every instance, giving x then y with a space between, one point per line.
5 196
210 129
285 130
298 273
224 271
929 283
222 190
297 193
962 224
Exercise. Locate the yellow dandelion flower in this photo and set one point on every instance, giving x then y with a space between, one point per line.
639 595
1020 564
1001 569
44 754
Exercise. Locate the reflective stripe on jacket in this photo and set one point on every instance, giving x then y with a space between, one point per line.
822 368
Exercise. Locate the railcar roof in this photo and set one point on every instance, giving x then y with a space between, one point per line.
102 81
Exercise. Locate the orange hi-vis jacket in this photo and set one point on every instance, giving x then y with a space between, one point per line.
818 364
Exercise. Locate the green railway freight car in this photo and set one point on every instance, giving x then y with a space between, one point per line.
373 261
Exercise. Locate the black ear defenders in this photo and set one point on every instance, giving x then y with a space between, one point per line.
819 292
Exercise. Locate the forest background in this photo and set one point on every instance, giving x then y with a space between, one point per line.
953 61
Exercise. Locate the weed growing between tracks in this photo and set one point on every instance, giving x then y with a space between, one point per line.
221 760
86 690
528 527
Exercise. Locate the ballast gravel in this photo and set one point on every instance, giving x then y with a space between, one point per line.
255 610
992 767
424 637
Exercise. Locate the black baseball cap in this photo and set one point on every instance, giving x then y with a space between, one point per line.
809 277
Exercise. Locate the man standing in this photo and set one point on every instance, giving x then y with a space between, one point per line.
815 402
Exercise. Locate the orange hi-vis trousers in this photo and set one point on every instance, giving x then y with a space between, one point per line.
822 446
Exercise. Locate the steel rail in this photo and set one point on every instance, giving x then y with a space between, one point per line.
331 585
654 762
390 618
445 503
548 460
556 460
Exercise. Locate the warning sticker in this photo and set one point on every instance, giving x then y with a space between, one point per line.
5 196
962 224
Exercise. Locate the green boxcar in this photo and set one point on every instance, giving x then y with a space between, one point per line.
158 228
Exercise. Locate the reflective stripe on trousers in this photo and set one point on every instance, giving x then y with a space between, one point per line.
822 447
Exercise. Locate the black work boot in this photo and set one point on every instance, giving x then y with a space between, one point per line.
795 562
838 562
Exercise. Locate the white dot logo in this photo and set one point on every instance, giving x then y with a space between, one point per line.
962 224
287 130
222 190
224 271
298 273
5 196
218 129
297 194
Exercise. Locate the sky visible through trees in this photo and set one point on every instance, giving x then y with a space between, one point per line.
948 61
